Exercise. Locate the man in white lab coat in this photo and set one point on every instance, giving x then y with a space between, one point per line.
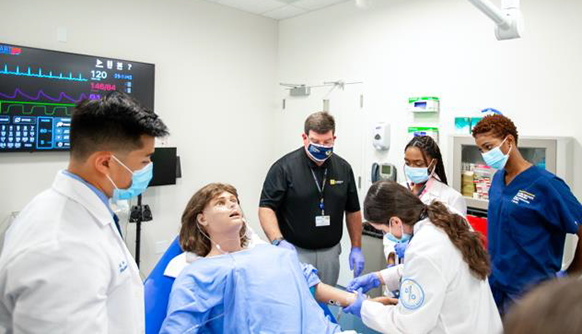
64 267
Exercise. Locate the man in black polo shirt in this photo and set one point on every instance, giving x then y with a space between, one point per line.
304 198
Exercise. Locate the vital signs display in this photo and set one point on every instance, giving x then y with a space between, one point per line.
39 89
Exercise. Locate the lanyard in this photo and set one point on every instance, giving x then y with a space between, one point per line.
422 189
321 189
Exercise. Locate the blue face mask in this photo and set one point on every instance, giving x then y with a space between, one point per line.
495 158
417 175
405 236
319 153
139 182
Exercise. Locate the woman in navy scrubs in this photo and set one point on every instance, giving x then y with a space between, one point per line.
530 212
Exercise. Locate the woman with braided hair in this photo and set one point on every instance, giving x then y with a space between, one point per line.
425 177
443 281
425 174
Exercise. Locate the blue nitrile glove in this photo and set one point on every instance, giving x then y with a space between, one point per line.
355 308
356 261
400 248
287 245
366 283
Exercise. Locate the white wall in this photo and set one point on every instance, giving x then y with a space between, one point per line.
444 48
216 70
215 75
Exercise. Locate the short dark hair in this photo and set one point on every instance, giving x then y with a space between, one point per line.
500 126
192 238
320 122
114 122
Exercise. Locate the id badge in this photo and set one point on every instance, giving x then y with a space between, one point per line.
322 221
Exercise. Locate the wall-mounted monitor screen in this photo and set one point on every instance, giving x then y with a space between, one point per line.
166 166
39 89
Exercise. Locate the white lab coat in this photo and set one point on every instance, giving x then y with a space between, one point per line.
65 268
438 292
436 190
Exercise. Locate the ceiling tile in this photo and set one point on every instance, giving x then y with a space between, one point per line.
258 6
316 4
284 12
278 9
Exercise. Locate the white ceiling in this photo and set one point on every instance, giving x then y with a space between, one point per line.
278 9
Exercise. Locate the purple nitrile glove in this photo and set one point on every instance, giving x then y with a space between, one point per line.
366 283
355 308
400 248
356 261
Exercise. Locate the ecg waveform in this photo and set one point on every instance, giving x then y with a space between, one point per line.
43 94
50 75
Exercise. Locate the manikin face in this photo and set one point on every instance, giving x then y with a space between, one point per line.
222 215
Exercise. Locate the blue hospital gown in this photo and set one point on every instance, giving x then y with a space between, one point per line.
260 290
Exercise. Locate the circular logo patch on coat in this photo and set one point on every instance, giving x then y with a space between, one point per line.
411 294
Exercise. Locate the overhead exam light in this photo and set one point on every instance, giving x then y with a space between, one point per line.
508 20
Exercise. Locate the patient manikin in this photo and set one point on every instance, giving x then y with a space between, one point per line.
235 289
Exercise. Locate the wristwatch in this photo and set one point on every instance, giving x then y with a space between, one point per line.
277 241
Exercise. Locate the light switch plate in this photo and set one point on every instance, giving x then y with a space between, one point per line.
62 34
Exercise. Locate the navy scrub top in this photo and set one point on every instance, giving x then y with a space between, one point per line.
527 225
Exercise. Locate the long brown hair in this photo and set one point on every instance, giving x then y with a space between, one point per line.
192 238
387 199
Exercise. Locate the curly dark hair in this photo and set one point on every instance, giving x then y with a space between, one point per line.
498 125
387 199
429 148
192 238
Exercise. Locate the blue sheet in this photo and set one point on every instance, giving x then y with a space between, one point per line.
261 290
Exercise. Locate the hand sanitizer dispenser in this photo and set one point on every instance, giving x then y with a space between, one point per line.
381 136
